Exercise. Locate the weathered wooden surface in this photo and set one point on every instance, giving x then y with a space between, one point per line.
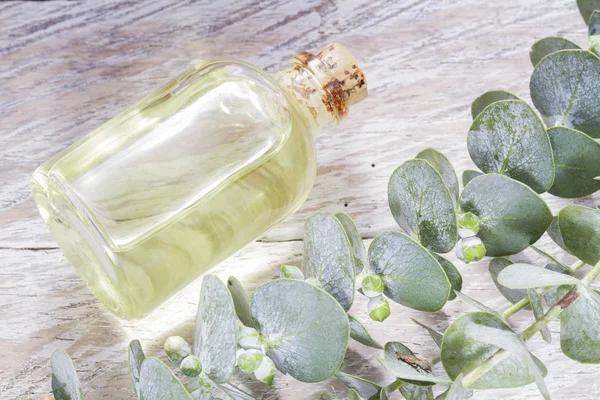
65 67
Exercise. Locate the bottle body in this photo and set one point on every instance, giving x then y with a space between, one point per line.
171 187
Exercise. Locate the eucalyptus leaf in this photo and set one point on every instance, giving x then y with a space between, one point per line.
422 205
65 383
508 138
241 301
587 7
305 331
411 275
549 45
452 273
468 175
495 267
566 90
328 257
554 233
365 388
359 333
135 360
157 381
594 32
537 305
215 337
443 166
358 247
435 335
407 373
461 353
512 216
525 276
580 230
403 364
490 97
576 158
457 391
580 326
416 392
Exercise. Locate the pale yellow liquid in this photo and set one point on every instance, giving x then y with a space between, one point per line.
185 178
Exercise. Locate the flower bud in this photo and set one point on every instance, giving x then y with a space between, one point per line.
379 309
248 338
291 272
249 360
470 249
265 371
372 285
177 349
190 366
468 224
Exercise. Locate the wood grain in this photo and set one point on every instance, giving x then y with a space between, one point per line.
68 66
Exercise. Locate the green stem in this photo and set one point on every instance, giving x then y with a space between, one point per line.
551 258
590 276
577 265
515 307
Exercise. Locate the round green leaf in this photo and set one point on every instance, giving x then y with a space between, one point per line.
65 383
358 247
501 140
157 381
576 158
452 274
443 166
461 353
549 45
411 275
365 388
566 90
305 331
495 267
587 7
241 301
512 216
215 337
136 358
359 333
468 175
580 326
490 97
328 257
422 205
526 276
580 230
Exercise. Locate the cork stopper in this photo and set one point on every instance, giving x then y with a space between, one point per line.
343 66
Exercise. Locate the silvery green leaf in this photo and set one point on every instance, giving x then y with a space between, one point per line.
580 230
241 301
508 138
549 45
495 267
443 166
157 381
435 335
576 158
215 336
555 235
580 326
525 276
411 275
422 205
468 175
305 331
512 216
461 353
358 247
359 333
537 305
365 388
328 257
479 306
291 272
397 353
452 273
511 342
65 383
565 89
587 7
406 372
416 392
493 96
457 391
136 358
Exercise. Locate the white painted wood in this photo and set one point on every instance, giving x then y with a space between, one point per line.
67 66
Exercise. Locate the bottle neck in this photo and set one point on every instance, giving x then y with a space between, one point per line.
324 85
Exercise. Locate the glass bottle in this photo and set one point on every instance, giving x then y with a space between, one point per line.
174 185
